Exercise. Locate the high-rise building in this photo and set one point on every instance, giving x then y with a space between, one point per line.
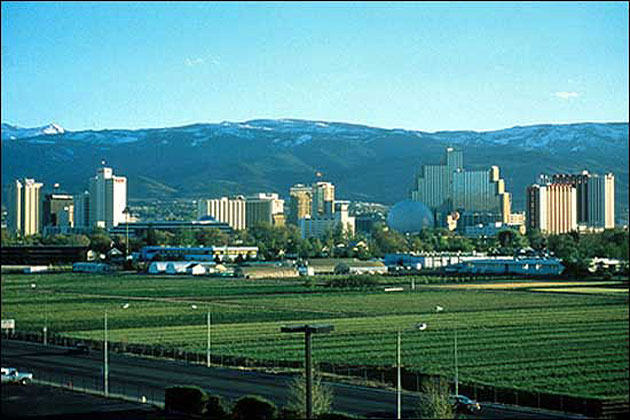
323 199
264 208
108 199
474 195
300 201
24 207
595 197
552 208
228 210
82 210
58 210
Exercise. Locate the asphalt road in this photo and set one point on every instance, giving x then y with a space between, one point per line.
136 377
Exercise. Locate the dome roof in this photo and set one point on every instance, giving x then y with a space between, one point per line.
410 216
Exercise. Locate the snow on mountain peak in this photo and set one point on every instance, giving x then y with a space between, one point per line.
52 129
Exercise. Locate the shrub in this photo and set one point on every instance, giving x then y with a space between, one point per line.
254 407
217 408
186 399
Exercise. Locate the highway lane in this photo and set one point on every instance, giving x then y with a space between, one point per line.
136 376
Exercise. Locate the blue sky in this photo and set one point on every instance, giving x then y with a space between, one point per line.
425 66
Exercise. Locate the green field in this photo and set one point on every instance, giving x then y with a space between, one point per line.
567 343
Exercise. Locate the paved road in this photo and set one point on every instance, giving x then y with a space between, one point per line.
135 377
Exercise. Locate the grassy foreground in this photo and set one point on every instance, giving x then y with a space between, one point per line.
569 343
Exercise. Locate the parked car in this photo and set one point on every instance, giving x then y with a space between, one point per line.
462 403
79 349
11 375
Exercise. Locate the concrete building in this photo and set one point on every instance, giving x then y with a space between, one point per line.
25 207
323 199
318 226
58 211
300 202
552 208
228 210
108 199
82 210
448 189
264 208
595 197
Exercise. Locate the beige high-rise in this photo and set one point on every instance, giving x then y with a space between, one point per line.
552 208
227 210
25 207
323 199
300 202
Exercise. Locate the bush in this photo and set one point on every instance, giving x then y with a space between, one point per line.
254 407
352 281
217 408
186 399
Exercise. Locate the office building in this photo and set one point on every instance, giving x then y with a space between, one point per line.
108 199
552 208
319 226
228 210
24 208
266 208
58 210
595 195
448 188
323 199
82 210
300 202
140 229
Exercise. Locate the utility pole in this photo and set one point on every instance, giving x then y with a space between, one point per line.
208 361
398 384
456 371
105 368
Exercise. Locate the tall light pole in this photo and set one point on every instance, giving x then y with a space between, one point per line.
208 347
417 327
308 362
105 361
45 328
209 336
106 356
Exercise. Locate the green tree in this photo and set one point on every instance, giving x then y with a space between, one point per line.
211 237
322 396
435 403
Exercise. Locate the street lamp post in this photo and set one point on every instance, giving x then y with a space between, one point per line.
208 360
308 330
418 327
45 328
105 361
106 355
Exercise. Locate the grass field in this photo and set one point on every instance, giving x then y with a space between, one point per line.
568 343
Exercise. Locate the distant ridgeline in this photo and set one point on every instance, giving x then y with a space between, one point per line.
366 163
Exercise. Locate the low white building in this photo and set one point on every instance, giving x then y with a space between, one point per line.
195 269
157 267
36 269
504 265
177 267
316 227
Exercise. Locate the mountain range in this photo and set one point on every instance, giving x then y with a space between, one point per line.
365 163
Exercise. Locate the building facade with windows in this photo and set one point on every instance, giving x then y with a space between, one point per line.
25 207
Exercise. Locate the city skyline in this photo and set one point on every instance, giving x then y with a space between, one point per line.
428 66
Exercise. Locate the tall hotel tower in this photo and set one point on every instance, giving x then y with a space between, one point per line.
108 199
25 207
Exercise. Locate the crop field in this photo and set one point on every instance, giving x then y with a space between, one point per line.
567 343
